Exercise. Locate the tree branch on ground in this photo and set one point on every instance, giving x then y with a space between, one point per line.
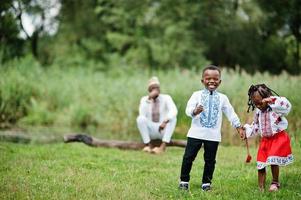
94 142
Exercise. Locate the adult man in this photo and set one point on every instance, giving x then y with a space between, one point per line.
157 117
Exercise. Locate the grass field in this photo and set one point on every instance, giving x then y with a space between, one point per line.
75 171
46 102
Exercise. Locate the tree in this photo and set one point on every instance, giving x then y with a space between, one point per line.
39 12
145 33
11 45
283 18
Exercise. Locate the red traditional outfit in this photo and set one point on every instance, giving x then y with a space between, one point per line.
274 148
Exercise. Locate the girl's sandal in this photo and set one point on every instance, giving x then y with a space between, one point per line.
274 187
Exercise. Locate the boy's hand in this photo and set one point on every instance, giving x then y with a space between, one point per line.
198 110
242 133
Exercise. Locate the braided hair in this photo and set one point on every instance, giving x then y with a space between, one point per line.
263 90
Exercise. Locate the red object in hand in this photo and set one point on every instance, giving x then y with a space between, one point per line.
249 158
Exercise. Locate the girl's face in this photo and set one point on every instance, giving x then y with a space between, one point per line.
257 100
211 79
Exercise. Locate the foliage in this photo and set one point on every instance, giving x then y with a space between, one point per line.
284 17
150 34
11 45
105 103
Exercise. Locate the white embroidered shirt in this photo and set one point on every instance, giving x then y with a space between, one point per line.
271 121
207 124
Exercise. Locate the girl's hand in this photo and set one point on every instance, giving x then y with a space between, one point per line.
268 100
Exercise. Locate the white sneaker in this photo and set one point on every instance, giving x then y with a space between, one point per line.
184 185
206 186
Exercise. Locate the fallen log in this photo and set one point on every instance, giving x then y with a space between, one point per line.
19 137
94 142
15 138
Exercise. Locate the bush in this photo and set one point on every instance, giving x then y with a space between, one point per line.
105 104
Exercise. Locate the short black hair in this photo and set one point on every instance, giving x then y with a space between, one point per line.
263 90
212 67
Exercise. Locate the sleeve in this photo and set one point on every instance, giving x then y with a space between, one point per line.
143 107
191 104
230 113
172 109
253 128
280 105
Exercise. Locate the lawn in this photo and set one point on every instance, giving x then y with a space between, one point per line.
76 171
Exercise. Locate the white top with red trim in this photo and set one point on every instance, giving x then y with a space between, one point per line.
271 121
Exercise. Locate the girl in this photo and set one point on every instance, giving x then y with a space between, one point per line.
270 123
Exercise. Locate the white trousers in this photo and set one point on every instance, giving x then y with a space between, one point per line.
149 130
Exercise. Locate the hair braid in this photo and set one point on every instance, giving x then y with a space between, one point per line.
263 90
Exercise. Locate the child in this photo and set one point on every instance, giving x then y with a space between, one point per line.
270 123
205 107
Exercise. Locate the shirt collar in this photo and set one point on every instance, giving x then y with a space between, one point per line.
206 91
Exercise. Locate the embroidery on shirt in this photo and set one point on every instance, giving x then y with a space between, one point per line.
209 116
266 124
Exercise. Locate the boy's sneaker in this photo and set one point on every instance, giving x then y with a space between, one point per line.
184 185
206 186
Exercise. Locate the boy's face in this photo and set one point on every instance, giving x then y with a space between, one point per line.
257 100
211 79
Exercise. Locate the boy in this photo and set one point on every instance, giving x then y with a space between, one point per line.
205 107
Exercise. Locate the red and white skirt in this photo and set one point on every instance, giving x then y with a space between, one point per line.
274 150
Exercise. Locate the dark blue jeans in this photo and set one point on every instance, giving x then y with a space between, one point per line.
191 151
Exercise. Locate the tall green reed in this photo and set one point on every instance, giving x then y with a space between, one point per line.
105 104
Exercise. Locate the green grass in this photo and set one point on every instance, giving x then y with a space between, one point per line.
76 171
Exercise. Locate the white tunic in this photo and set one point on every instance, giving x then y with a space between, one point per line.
207 124
271 121
167 108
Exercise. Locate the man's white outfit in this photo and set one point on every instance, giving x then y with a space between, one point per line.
149 129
